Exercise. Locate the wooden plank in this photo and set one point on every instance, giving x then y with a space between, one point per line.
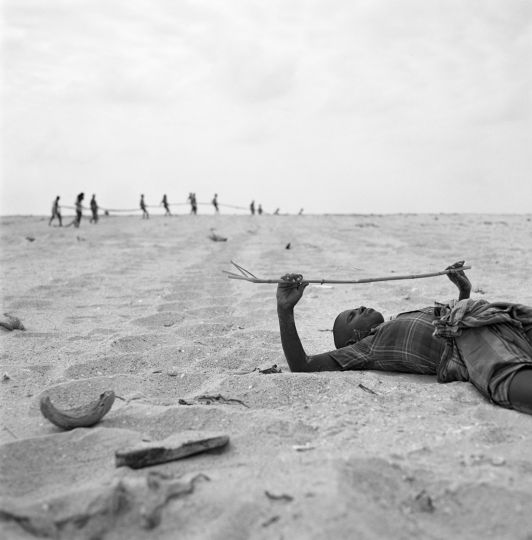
174 447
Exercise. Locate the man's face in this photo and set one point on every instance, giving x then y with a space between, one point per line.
362 319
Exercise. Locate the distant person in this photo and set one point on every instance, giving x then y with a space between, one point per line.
193 203
252 208
164 202
259 210
142 203
79 210
215 203
56 212
94 210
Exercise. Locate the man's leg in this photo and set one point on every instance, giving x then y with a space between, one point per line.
520 391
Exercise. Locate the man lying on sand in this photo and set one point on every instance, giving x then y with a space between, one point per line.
489 344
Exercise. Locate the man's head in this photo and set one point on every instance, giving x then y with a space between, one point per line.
351 324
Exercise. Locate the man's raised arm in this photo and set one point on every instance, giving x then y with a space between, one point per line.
288 295
460 280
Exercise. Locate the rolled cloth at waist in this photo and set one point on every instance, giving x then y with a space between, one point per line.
466 358
476 313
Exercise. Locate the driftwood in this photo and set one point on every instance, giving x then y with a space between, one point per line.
265 371
246 275
174 447
83 416
210 399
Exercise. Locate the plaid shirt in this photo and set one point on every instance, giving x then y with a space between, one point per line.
405 344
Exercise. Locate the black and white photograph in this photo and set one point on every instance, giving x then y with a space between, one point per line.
266 269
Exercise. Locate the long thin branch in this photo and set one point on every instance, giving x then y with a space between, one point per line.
245 275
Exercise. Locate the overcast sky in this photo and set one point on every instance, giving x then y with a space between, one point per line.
343 106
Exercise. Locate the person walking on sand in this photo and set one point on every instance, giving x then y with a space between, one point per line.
259 210
488 344
215 203
94 210
164 202
252 208
56 212
193 203
142 204
79 211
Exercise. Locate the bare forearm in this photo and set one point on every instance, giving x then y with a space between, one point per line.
464 293
293 349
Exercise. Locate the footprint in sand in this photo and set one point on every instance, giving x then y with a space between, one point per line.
29 303
111 365
78 319
173 306
163 319
210 312
203 330
186 293
133 344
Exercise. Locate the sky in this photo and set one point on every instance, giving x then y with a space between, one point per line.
334 106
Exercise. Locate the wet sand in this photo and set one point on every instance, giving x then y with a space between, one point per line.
142 307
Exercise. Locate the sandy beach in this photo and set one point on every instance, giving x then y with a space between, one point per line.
143 308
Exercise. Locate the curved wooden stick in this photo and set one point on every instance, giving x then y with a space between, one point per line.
245 275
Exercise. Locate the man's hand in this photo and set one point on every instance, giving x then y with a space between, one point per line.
289 293
460 280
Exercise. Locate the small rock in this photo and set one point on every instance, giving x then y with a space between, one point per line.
423 502
303 447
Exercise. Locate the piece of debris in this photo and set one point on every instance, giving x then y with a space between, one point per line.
5 377
174 447
216 237
270 521
207 399
10 322
265 371
303 447
273 369
288 246
82 416
30 238
5 428
366 389
281 497
423 502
